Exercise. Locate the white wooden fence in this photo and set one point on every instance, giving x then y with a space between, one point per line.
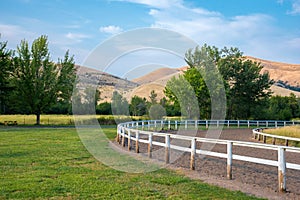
261 136
134 130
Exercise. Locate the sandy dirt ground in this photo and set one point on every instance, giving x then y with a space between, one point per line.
253 179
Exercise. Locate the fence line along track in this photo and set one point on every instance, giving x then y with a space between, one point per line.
144 132
261 136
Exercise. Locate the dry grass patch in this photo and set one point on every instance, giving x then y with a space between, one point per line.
288 131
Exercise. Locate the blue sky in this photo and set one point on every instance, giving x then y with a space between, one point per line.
267 29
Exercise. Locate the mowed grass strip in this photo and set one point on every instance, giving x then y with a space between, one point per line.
65 119
53 163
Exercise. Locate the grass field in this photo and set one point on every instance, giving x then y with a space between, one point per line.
61 119
53 164
289 131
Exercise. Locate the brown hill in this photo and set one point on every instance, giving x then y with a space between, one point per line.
145 90
105 82
283 91
156 75
287 73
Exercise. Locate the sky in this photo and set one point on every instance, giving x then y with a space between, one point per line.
267 29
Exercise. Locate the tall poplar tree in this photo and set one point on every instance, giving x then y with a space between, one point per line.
39 82
5 68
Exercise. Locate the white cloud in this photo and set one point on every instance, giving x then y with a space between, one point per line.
77 37
280 1
14 34
254 34
211 27
294 42
156 3
111 29
295 8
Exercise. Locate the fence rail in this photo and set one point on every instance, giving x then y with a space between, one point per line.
206 123
144 132
261 136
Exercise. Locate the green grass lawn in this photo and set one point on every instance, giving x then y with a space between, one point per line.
52 163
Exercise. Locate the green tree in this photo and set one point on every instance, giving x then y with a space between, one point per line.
211 69
39 82
247 87
138 106
153 97
294 105
157 111
207 84
180 92
119 104
196 80
104 109
279 108
90 98
5 75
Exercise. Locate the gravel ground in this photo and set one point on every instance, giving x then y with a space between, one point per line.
254 179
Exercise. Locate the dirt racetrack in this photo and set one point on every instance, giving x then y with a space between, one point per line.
254 179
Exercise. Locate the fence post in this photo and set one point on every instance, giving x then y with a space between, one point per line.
123 137
150 146
257 123
118 134
287 142
176 125
284 123
193 153
155 125
276 124
169 125
267 124
143 124
228 123
167 142
229 160
218 123
137 136
248 124
185 126
264 138
281 170
206 124
254 135
196 124
129 140
238 122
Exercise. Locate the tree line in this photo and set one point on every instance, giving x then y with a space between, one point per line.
216 81
246 89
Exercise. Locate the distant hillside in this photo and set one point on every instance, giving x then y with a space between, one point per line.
286 76
156 75
283 91
105 82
